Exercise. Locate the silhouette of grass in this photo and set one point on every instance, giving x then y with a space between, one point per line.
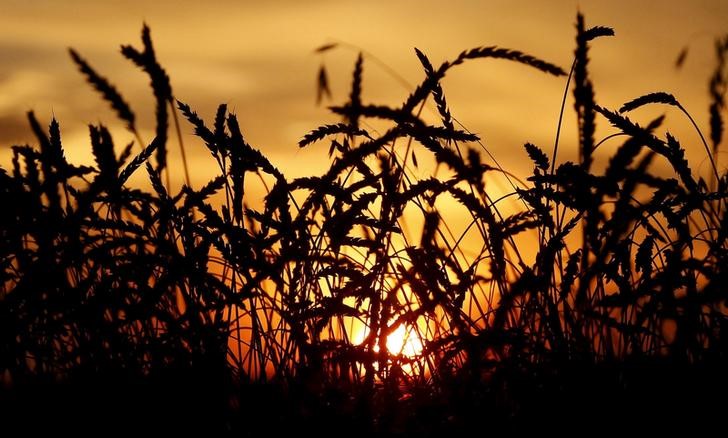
229 314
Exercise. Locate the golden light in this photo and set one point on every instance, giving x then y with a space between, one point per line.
404 341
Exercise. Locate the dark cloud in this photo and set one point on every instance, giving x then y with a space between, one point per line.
14 130
16 55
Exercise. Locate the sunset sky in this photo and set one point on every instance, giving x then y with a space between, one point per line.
258 58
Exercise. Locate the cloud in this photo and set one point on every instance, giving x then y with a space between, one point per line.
14 130
21 88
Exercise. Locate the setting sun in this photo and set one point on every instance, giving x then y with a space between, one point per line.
404 342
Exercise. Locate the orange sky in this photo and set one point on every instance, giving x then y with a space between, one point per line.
257 57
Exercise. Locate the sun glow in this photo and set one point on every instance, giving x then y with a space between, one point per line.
404 342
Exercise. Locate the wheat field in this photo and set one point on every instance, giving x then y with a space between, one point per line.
415 287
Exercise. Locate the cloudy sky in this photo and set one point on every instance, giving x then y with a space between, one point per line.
257 56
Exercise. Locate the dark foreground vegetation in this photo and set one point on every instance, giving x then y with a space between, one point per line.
132 308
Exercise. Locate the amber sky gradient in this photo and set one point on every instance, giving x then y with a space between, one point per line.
257 56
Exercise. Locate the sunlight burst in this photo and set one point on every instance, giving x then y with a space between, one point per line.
404 342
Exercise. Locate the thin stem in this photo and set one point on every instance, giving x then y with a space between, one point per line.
705 144
181 144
